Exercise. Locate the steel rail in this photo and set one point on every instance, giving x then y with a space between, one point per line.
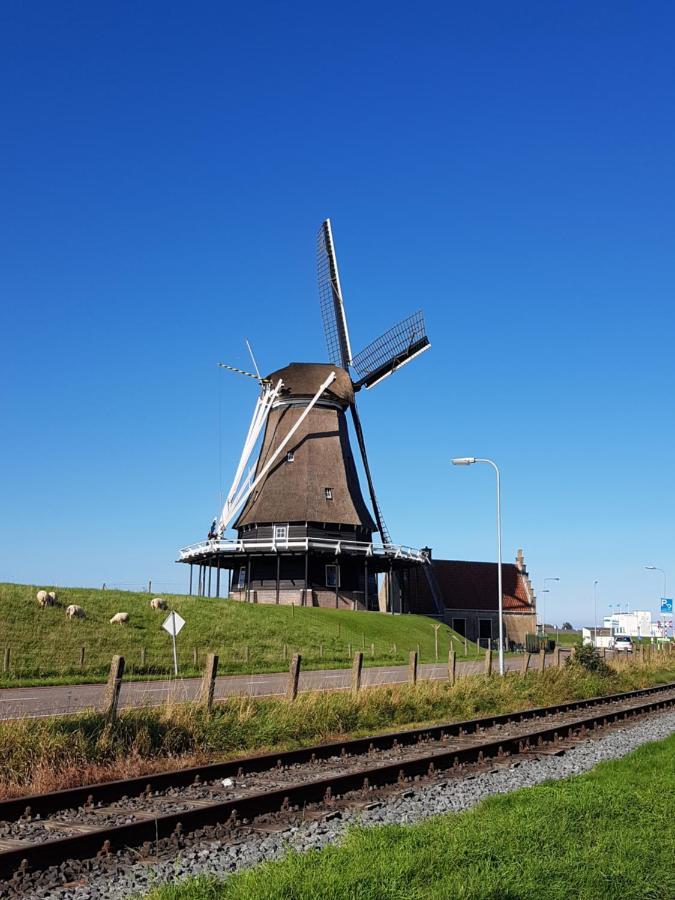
110 791
152 827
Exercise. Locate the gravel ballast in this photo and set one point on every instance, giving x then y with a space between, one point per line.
220 858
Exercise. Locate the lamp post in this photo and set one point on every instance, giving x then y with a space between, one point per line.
543 605
595 614
469 461
665 594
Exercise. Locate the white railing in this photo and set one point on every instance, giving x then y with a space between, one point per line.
269 545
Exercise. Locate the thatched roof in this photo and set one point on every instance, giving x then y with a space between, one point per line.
322 457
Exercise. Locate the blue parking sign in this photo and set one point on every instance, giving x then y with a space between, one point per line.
667 605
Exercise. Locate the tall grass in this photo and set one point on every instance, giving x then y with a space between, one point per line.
47 754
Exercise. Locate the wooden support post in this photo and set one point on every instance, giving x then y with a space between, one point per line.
526 662
5 662
558 658
304 593
277 584
112 692
218 577
293 677
210 567
209 681
412 667
82 653
452 666
488 661
191 579
357 666
248 580
337 582
365 583
542 658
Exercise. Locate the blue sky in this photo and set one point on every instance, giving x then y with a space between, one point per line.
507 167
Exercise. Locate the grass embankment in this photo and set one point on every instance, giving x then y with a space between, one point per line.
45 647
605 834
46 754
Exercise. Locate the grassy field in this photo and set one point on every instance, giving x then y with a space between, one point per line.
45 647
46 754
606 834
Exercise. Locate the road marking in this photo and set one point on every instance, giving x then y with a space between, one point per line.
16 699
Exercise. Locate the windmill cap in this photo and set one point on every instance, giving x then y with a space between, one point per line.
305 379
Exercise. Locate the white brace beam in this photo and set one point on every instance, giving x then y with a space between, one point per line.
241 498
260 414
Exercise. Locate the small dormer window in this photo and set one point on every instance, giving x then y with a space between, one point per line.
329 493
290 456
281 532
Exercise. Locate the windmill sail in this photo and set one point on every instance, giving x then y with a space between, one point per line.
381 526
330 295
393 349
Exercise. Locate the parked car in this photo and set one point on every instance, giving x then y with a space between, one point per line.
623 642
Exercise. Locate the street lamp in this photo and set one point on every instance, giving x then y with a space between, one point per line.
543 605
469 461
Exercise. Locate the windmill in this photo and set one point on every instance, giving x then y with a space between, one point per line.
304 531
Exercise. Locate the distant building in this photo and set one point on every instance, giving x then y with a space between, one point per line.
636 624
604 638
469 594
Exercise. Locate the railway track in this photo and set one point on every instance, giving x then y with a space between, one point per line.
72 832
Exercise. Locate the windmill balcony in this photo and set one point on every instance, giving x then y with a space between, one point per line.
203 550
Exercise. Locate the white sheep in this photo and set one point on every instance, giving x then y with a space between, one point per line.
119 619
52 597
74 612
43 599
158 603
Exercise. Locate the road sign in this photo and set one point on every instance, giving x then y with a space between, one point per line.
667 605
173 623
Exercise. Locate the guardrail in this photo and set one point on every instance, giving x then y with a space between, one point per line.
237 547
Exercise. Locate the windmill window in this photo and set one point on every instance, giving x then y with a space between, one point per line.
281 532
332 576
290 456
329 493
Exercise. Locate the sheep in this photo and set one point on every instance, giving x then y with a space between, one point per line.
53 598
74 612
158 603
120 619
44 599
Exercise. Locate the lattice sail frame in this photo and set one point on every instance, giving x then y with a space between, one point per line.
390 351
330 296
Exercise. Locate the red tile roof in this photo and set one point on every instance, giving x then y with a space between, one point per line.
473 585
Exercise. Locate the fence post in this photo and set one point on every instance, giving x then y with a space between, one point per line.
436 627
194 657
542 658
357 666
558 658
452 666
488 661
82 652
142 656
412 667
466 647
5 662
293 677
112 692
321 651
209 681
526 662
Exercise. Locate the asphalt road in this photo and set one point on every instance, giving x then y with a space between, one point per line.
53 700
